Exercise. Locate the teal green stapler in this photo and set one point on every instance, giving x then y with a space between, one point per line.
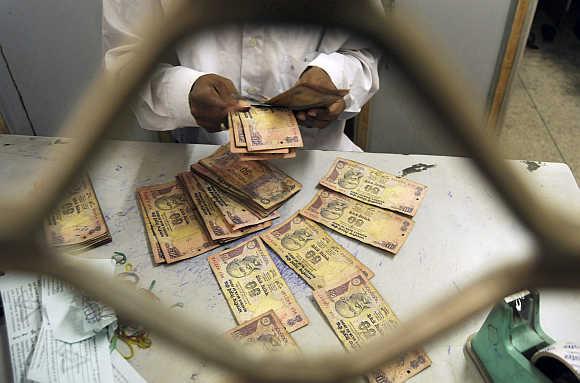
502 349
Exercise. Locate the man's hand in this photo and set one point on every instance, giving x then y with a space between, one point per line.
319 117
211 98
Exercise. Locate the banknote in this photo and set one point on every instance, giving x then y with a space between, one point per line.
235 213
220 183
307 96
374 186
264 333
258 156
78 223
368 224
357 313
173 218
154 245
312 253
244 149
217 226
270 128
258 181
252 285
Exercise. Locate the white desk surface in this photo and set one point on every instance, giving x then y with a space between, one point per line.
461 231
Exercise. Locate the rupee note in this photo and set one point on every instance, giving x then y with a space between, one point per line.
357 313
78 220
368 224
270 128
174 222
252 285
307 96
213 219
374 186
264 333
312 253
154 245
260 182
235 213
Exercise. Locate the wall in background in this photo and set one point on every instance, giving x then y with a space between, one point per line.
471 35
53 50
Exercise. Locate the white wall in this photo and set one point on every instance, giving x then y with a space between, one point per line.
471 34
53 49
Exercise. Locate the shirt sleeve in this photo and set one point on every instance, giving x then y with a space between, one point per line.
163 103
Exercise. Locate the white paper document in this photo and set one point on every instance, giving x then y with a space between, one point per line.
123 372
55 333
20 297
55 361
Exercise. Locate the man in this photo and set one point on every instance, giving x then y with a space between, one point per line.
220 67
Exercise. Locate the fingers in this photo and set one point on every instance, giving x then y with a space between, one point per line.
321 117
211 98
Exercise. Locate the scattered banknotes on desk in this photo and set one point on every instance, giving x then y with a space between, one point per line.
58 335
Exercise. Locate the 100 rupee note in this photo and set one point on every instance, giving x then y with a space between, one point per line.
217 226
77 222
235 213
174 222
358 314
374 186
312 253
260 182
264 334
252 285
368 224
270 128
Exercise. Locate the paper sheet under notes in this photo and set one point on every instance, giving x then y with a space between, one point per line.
54 361
123 372
20 297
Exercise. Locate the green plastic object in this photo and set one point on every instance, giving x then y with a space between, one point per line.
511 334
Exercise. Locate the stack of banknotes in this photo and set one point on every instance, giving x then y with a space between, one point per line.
264 133
220 200
77 224
269 130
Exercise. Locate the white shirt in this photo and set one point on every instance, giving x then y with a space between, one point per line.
261 61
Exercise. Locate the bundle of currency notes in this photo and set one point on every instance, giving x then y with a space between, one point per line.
264 133
77 224
222 199
257 185
173 228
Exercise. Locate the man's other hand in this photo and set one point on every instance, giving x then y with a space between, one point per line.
211 98
319 117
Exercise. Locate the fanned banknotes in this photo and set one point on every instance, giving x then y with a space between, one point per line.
173 222
235 213
77 224
373 186
218 228
256 182
357 313
307 96
312 253
368 224
264 333
252 285
263 133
